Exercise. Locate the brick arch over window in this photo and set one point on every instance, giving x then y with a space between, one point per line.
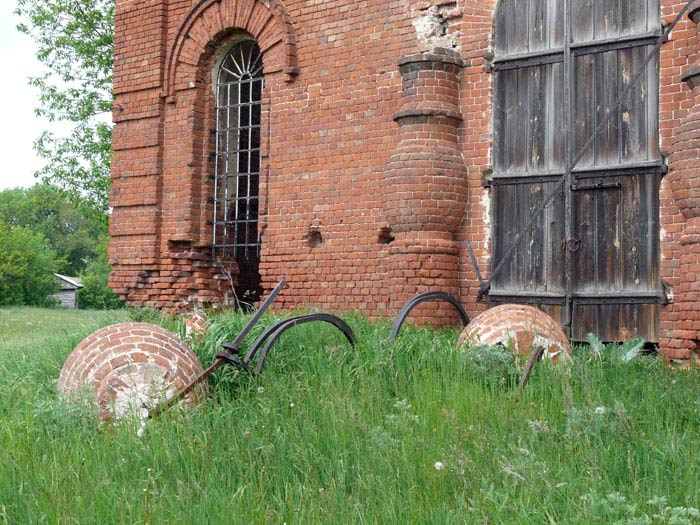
267 21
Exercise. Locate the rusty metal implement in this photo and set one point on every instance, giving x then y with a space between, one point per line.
231 352
220 361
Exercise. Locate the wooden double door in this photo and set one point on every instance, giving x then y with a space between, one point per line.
591 256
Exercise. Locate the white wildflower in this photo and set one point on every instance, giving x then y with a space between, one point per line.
538 427
438 465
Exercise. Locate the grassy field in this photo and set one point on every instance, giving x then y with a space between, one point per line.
414 433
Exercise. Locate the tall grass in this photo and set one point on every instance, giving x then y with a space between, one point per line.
412 433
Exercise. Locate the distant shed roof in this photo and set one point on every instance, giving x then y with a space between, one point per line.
69 282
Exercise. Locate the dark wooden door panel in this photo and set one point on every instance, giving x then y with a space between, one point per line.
616 322
537 265
529 102
592 255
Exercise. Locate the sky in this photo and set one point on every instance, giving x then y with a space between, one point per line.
19 127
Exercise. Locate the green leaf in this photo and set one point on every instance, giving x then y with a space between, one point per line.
75 43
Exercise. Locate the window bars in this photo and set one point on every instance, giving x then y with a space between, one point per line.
239 86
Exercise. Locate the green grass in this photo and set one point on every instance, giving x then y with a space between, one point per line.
332 435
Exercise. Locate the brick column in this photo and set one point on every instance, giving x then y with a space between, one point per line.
686 191
425 183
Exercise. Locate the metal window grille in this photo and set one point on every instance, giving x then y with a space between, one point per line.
239 88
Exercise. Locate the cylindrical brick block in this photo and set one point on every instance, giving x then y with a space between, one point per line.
131 368
519 327
425 183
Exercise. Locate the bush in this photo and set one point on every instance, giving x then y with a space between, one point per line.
95 293
492 365
27 267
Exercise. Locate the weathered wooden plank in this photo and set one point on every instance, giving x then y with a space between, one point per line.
520 207
631 234
584 321
521 38
641 239
541 241
584 108
500 133
608 226
608 141
606 19
510 120
629 139
519 123
537 87
617 322
533 246
634 17
555 221
652 108
555 21
500 237
650 201
640 102
500 28
582 12
537 23
555 149
583 227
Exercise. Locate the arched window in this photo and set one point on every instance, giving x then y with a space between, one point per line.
239 85
593 254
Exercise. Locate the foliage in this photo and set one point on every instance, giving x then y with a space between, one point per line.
71 233
492 365
95 293
75 40
71 229
27 266
331 434
625 352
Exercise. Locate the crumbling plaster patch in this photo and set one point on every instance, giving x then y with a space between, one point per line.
435 25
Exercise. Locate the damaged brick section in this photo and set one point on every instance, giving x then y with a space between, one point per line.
435 24
518 327
130 368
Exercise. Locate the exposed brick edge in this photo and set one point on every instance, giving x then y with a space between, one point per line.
195 22
526 327
98 360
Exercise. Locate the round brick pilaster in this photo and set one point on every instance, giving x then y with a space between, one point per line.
684 337
425 185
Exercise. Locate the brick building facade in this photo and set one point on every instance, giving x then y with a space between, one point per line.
377 148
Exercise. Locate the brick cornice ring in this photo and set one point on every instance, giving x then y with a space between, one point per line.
211 17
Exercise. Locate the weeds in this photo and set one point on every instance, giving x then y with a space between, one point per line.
492 365
416 432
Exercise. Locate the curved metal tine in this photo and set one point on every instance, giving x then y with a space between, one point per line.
258 314
262 337
299 319
421 298
302 319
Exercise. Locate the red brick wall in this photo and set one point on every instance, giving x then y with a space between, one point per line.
333 88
